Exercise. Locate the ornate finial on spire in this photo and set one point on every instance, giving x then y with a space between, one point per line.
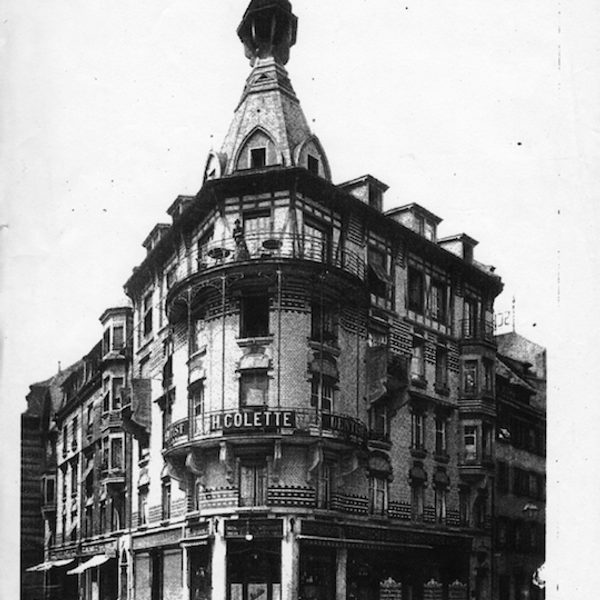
268 29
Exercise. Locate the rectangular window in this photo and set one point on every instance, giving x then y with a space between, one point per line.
117 386
166 499
487 441
502 475
417 363
441 368
470 377
463 506
105 452
324 486
258 158
106 341
65 435
438 297
196 329
470 442
254 388
142 505
441 427
253 484
118 337
322 391
470 318
197 406
102 523
254 317
378 278
417 501
488 376
417 431
49 490
116 453
147 314
429 231
74 477
416 290
378 495
313 164
441 495
75 433
379 422
170 278
322 323
203 246
88 532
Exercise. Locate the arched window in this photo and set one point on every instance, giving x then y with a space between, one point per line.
258 151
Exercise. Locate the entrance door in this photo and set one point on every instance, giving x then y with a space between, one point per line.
254 571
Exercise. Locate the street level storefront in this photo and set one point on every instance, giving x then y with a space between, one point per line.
250 558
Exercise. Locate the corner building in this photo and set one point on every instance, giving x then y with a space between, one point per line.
312 387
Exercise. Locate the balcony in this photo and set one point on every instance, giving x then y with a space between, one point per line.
111 419
474 331
475 465
297 422
265 246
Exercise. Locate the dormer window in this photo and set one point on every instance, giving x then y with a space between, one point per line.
258 158
312 164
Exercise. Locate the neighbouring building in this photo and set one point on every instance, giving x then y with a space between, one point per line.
520 466
301 404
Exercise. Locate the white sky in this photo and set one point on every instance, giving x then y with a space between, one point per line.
487 113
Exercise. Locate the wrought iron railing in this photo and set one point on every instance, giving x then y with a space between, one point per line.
265 245
259 420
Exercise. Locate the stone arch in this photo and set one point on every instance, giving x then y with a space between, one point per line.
311 146
258 139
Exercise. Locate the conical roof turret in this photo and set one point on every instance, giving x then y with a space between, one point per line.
269 127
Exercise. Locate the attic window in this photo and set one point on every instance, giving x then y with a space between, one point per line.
258 158
313 164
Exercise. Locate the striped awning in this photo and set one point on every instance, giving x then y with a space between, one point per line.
95 561
46 566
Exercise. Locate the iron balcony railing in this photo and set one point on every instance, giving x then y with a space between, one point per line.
265 245
264 421
477 330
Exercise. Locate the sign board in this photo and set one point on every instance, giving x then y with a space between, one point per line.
260 420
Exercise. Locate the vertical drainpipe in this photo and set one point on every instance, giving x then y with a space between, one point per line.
279 300
223 343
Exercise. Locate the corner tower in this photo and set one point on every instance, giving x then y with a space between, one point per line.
269 127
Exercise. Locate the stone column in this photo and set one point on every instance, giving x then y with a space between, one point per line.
290 562
185 573
340 573
219 562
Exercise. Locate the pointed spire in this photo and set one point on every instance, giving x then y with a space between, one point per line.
268 127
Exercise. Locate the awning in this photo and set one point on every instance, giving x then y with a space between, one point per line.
95 561
46 566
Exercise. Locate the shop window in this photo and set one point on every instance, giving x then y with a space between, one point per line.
147 314
254 388
438 301
378 495
322 323
470 442
166 499
254 317
312 164
441 497
441 368
116 453
416 290
441 436
417 363
417 431
470 377
324 485
253 484
417 500
258 158
322 392
143 505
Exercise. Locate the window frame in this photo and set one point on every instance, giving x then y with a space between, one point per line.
415 282
378 494
251 314
257 476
